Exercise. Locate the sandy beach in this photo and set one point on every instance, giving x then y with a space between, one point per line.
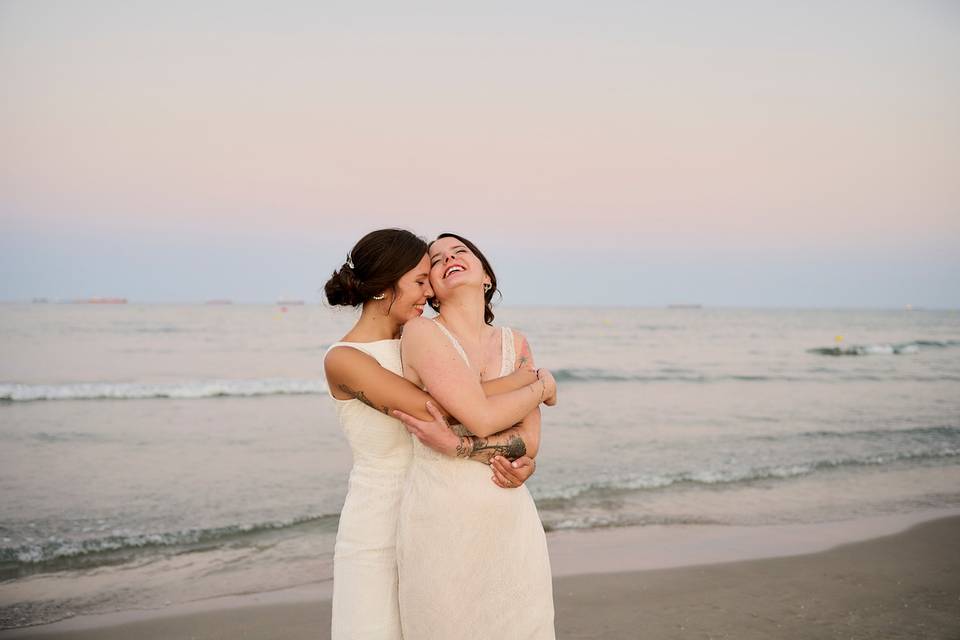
890 577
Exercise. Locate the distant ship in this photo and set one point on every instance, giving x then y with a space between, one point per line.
684 306
40 301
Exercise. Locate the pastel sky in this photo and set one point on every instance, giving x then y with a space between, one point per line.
743 153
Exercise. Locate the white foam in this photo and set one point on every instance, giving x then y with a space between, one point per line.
141 390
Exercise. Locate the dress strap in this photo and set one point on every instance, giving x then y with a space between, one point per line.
453 339
353 345
508 352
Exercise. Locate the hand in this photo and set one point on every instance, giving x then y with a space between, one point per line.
525 374
526 365
435 433
549 387
510 475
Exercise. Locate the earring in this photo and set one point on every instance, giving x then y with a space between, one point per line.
435 304
487 286
379 296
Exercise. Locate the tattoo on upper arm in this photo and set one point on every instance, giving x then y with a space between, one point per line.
525 354
361 396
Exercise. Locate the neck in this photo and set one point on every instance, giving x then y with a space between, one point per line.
463 315
374 324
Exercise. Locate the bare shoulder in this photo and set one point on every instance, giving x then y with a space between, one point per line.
342 357
519 339
419 329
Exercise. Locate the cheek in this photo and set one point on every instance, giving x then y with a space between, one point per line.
406 295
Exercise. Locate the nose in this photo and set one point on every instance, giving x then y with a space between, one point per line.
428 290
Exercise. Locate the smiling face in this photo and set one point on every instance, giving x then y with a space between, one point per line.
412 290
453 265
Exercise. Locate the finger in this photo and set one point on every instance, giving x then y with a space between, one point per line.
502 466
522 461
409 420
501 480
524 467
403 417
435 412
505 466
497 477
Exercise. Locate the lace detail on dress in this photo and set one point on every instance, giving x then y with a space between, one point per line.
508 352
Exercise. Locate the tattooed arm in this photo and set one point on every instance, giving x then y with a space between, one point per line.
353 374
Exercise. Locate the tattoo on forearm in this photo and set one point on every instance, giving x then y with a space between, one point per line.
511 448
359 395
458 428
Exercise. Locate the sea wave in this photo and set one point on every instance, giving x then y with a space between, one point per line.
884 348
56 548
586 374
561 498
140 390
947 431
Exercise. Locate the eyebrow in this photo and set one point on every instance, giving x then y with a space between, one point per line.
456 246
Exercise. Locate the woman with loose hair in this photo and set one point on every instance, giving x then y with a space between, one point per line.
472 558
386 275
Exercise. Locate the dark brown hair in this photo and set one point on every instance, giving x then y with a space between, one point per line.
375 264
487 295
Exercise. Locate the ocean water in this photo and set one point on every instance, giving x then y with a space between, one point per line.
154 454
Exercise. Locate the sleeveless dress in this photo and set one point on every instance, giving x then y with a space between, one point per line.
364 556
472 557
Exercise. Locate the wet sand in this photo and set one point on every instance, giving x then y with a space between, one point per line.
904 585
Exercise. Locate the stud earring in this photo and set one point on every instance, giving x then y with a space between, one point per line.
379 296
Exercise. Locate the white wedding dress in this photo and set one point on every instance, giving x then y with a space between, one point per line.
364 558
472 557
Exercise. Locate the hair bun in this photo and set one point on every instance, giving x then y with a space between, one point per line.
343 288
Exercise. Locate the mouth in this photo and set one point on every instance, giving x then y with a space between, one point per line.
418 307
454 268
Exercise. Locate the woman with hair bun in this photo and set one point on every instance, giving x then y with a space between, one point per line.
386 275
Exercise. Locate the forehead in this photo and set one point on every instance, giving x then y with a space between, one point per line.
444 244
422 268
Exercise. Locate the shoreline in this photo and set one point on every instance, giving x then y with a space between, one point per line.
617 565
